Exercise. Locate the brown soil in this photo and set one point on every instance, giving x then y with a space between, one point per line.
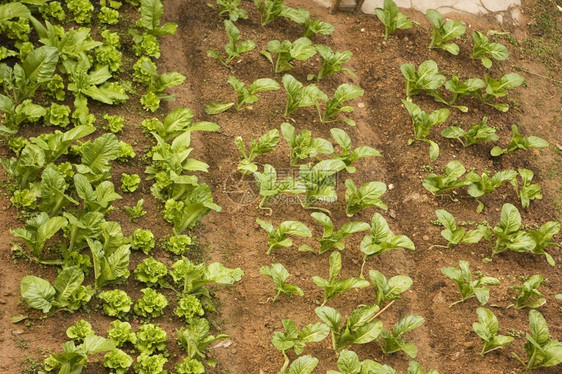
445 341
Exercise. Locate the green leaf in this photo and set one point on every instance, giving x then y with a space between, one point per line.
303 365
37 292
40 64
13 10
331 317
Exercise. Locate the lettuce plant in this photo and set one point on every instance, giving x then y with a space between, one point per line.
467 286
81 10
528 294
332 239
332 62
437 184
233 48
26 199
195 338
146 39
297 339
487 329
80 330
334 287
299 95
75 356
303 145
279 275
130 182
393 341
190 366
150 364
151 272
109 13
117 361
485 51
15 115
498 88
189 307
335 105
269 187
392 19
270 10
264 144
58 115
52 9
527 191
427 78
136 211
368 195
541 349
246 96
454 235
286 51
178 244
389 289
230 8
143 239
121 333
479 133
359 328
381 239
279 237
150 305
444 31
349 155
114 123
424 122
108 54
481 185
116 303
518 142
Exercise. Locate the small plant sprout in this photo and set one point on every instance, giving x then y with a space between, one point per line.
331 239
498 88
194 338
299 95
332 62
80 330
393 341
444 32
479 133
335 105
487 329
392 18
315 26
332 286
542 238
130 182
527 191
348 363
427 78
509 233
381 239
423 122
454 235
360 327
481 185
389 289
297 339
541 349
301 49
528 294
303 145
142 239
136 211
467 286
233 48
485 51
270 10
302 365
279 275
265 143
279 237
246 96
368 195
347 155
320 182
518 142
459 89
230 9
437 184
269 187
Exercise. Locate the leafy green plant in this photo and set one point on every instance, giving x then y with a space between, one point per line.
270 10
188 307
81 10
151 338
485 51
427 78
58 115
279 275
121 333
381 239
315 26
334 287
150 305
392 19
195 338
518 142
297 339
176 124
332 62
151 272
76 356
437 184
456 235
467 286
279 237
80 330
246 96
190 366
360 327
147 363
498 88
233 48
269 187
320 182
541 349
299 95
458 90
145 39
444 31
286 51
114 123
38 230
347 155
97 156
542 239
389 289
109 15
264 144
117 361
136 211
303 145
487 329
348 363
528 294
509 233
481 185
423 122
111 256
230 8
178 244
333 239
130 182
368 195
393 341
479 133
116 303
527 191
143 239
335 105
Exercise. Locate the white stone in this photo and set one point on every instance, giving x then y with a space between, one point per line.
496 5
370 5
472 7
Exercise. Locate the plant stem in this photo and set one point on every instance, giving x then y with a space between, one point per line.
382 310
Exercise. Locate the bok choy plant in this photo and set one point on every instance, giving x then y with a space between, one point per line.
527 191
270 10
486 51
368 195
246 96
487 329
299 95
392 19
427 78
320 182
528 294
456 235
301 49
332 62
233 48
279 237
389 289
303 145
467 286
269 187
335 105
265 143
347 155
479 133
279 275
541 349
444 31
230 9
437 184
423 122
393 341
518 142
498 88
